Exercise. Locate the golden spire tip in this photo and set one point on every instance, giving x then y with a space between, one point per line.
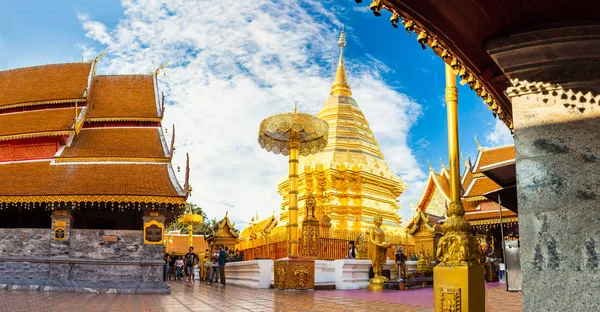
340 84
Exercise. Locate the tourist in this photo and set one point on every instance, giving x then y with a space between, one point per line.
190 262
167 260
351 250
172 269
222 258
179 266
214 274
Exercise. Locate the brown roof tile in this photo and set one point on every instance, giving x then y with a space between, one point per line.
36 123
46 83
43 179
124 97
116 142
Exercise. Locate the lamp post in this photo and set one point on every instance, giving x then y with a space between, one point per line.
458 278
293 134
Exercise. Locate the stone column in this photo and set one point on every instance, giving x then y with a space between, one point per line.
62 221
61 231
555 75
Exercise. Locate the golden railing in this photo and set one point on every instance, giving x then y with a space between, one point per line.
333 244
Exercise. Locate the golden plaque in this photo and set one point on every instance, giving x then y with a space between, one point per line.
153 232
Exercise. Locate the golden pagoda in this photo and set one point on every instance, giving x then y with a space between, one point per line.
349 179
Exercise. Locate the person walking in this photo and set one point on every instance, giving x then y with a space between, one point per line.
222 258
214 273
167 260
190 261
179 266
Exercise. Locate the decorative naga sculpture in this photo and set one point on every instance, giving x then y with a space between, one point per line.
377 253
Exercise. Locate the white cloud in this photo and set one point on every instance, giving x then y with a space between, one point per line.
233 64
499 135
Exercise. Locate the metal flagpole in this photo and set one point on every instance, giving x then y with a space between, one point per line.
503 247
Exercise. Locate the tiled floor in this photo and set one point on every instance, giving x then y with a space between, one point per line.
201 297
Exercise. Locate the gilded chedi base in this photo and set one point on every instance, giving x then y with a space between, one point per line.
294 274
459 289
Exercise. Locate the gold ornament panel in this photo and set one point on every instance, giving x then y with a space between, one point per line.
295 273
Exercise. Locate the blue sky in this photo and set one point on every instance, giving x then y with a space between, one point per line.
383 62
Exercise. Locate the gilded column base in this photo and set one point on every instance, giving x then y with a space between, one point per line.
294 274
459 288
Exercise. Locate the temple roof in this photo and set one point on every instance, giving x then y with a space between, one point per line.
123 143
475 184
123 98
261 226
39 181
45 84
51 122
223 228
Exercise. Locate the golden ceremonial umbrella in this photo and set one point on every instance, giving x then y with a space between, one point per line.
292 134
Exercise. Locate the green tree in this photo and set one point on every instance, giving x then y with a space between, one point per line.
199 229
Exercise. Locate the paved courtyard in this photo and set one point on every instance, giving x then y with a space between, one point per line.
201 297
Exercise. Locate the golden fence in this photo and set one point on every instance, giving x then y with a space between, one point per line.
333 244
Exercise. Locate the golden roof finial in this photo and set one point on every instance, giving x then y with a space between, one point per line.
226 212
465 163
412 206
442 162
295 107
161 67
479 148
429 164
340 84
96 60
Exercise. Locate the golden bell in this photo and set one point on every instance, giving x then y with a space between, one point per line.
375 7
422 39
455 64
435 45
394 20
409 26
483 93
445 54
463 73
477 86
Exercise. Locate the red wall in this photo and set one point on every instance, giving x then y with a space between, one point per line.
28 149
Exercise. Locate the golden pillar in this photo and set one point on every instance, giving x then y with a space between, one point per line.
458 279
293 134
293 197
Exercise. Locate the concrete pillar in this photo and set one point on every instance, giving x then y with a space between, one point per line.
555 75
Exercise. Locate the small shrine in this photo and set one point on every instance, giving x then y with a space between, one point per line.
223 233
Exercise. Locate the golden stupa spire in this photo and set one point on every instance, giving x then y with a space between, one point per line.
340 84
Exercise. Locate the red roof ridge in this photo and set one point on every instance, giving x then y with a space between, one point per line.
37 66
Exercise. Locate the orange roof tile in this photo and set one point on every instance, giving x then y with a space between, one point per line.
123 97
43 84
495 155
116 142
481 186
44 179
489 215
37 123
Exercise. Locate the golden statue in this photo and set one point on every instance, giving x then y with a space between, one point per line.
377 252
